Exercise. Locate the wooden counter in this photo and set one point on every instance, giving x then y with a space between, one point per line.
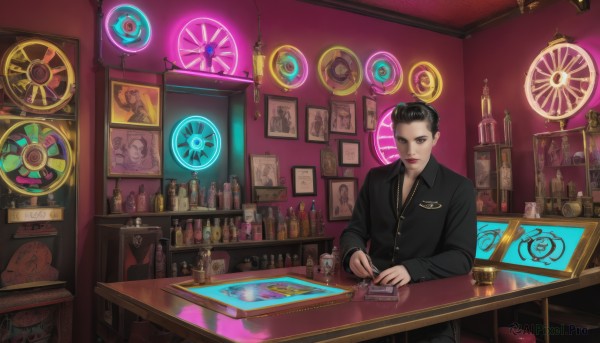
419 305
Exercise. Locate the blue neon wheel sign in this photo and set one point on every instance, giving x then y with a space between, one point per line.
196 143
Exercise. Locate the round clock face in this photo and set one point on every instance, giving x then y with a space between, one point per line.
340 70
560 81
206 45
383 142
288 67
128 28
384 73
196 143
425 82
35 158
37 76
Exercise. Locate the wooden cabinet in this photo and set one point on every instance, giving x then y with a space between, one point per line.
493 178
562 170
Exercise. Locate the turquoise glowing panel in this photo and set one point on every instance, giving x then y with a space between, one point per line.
196 143
258 294
488 237
544 246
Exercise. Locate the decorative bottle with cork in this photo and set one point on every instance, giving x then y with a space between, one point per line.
116 202
194 190
293 224
487 126
142 200
270 225
303 220
236 191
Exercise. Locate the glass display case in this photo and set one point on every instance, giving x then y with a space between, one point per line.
493 178
562 172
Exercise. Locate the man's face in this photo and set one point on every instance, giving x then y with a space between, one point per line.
344 194
135 151
415 142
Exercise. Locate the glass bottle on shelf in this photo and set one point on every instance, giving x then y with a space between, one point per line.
487 126
293 224
183 200
178 234
507 128
142 200
225 232
269 225
312 215
212 195
130 206
193 186
233 231
227 196
188 235
116 202
172 196
303 220
236 190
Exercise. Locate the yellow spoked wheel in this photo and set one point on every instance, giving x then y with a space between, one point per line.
38 76
35 158
425 82
340 70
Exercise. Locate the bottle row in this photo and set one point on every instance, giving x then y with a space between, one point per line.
180 197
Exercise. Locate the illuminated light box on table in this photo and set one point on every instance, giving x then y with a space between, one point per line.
490 231
557 247
261 296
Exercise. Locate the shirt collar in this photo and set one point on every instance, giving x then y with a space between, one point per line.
428 174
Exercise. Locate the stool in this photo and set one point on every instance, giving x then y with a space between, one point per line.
514 335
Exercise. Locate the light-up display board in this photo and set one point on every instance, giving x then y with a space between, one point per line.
489 234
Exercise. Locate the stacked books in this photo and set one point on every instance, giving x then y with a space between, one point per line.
382 293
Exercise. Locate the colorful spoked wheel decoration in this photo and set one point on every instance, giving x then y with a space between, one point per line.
425 82
560 81
37 76
35 158
196 143
288 67
206 45
128 28
340 70
383 141
384 73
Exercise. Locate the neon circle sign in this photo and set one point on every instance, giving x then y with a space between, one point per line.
384 73
196 143
383 142
128 28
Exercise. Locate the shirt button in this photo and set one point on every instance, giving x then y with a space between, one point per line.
397 248
398 233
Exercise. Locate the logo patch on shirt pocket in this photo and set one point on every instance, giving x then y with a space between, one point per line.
430 205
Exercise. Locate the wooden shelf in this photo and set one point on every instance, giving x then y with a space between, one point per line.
251 244
173 214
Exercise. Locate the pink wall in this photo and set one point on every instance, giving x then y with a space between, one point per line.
283 22
502 54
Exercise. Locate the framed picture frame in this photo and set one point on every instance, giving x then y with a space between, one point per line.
349 153
135 104
303 180
343 117
264 170
281 117
317 124
328 162
483 169
342 194
369 113
134 153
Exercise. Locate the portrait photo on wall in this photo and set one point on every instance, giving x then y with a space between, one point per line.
342 193
265 170
328 162
349 152
134 153
343 117
135 104
317 119
369 113
281 117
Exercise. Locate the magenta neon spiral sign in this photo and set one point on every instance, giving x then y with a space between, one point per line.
383 142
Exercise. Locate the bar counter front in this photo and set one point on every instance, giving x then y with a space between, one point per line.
418 305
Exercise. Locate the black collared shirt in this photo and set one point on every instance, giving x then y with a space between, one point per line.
435 237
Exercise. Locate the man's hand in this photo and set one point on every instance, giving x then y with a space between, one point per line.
396 275
360 266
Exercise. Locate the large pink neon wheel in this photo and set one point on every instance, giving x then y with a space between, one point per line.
382 139
206 45
560 81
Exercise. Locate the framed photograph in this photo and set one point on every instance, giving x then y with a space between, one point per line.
349 152
328 162
264 170
370 113
134 153
303 180
281 117
135 104
317 129
343 117
342 197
